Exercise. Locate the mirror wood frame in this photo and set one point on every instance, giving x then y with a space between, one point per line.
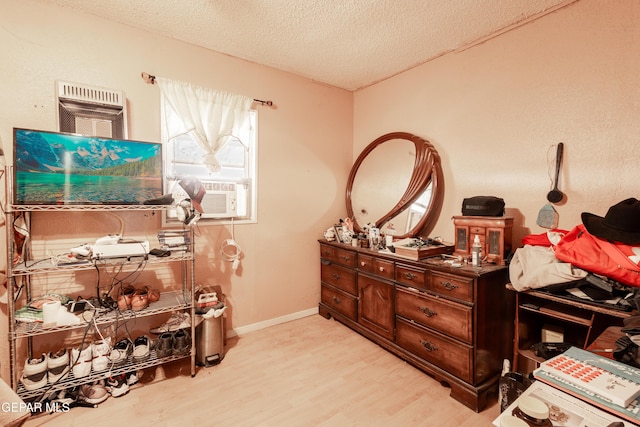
427 169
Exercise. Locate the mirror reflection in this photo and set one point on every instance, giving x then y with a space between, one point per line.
408 219
397 179
382 180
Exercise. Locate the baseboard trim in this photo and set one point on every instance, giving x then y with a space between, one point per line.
271 322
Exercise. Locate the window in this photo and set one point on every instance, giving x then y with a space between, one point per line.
231 191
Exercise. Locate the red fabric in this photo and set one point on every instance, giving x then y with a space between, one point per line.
541 239
599 256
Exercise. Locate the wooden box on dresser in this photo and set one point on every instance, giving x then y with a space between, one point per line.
454 323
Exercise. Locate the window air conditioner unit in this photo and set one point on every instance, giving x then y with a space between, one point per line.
91 110
220 200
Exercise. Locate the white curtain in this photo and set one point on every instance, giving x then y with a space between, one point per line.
206 114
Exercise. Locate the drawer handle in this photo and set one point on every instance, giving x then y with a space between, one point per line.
363 264
326 253
449 286
336 300
345 257
428 312
335 276
410 276
381 269
428 346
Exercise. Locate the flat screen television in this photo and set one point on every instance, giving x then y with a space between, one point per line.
54 168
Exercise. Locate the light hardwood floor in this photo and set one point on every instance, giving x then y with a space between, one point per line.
307 372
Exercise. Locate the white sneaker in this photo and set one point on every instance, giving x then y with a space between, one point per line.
118 385
178 320
81 360
34 375
93 393
58 365
100 351
133 377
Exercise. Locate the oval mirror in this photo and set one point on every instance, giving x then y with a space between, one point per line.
397 179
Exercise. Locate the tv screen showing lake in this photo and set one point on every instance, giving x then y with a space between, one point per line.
57 168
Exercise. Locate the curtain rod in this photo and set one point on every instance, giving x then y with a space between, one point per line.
151 79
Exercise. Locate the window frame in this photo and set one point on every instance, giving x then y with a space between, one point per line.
251 179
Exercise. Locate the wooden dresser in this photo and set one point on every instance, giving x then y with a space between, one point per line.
455 324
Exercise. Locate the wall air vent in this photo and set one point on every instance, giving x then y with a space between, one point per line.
90 110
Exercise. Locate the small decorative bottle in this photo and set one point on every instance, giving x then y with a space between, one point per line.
476 252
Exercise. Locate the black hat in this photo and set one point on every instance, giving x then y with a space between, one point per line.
621 224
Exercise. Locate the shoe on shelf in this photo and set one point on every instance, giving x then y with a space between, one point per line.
178 320
93 393
140 299
133 377
117 385
81 360
121 351
125 297
34 375
181 342
152 294
164 346
100 350
58 365
141 348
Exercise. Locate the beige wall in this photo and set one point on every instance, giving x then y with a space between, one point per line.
494 110
305 149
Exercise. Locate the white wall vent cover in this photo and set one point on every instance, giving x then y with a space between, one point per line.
91 110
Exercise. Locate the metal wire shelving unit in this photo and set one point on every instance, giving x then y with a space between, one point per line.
177 300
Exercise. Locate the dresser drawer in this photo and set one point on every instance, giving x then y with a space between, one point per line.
338 276
411 276
328 252
454 357
365 263
340 256
383 268
377 266
339 301
477 230
451 285
445 316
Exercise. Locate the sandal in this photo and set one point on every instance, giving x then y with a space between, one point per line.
140 299
125 297
153 294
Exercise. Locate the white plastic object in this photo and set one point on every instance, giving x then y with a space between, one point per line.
476 252
82 250
110 239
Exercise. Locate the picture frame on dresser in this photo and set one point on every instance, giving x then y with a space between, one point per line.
339 233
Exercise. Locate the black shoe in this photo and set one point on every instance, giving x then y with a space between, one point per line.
181 342
164 347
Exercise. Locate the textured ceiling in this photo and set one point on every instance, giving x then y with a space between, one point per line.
350 44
